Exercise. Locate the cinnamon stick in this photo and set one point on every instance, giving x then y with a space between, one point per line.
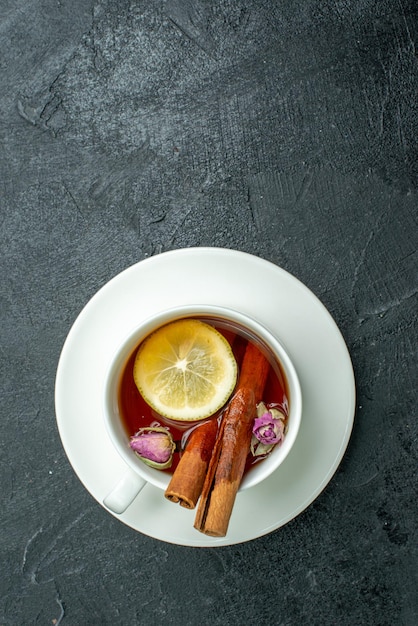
227 464
186 483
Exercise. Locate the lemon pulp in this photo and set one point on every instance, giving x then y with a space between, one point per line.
185 370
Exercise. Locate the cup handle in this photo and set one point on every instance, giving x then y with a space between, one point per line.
124 492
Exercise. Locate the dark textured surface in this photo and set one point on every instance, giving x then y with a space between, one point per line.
284 129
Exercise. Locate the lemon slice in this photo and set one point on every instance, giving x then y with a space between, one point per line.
185 370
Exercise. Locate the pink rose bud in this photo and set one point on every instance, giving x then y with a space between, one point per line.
268 430
154 446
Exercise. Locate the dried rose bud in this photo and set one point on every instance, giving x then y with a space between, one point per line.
268 430
154 446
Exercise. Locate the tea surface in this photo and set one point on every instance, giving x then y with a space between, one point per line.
136 413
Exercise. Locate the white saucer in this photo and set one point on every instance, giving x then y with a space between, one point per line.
259 289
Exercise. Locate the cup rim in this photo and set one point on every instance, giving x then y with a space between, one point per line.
117 434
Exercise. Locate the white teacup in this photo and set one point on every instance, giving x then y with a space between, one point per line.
138 474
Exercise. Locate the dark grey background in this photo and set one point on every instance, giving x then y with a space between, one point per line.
280 128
